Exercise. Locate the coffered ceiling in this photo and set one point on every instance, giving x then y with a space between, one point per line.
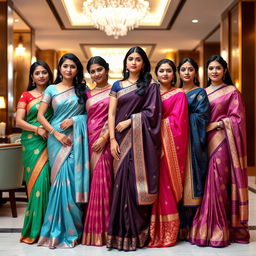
61 25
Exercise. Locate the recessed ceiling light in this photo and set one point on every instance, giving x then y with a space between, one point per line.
16 20
194 21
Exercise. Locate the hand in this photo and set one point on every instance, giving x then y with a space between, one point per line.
99 145
211 126
43 133
123 125
62 138
114 148
66 124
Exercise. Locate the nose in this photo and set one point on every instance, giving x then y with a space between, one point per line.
186 71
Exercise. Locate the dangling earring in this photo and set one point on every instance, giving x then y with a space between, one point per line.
127 71
172 82
224 77
209 81
76 80
60 76
33 84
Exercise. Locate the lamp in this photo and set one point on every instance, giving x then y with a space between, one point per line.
2 124
20 49
116 17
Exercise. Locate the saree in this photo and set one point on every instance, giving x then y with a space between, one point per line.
197 159
222 217
164 224
136 172
36 170
69 172
98 210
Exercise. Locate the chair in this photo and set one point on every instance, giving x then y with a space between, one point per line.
11 172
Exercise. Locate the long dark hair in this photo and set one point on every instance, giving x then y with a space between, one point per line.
145 76
31 86
226 78
78 80
97 60
172 65
194 65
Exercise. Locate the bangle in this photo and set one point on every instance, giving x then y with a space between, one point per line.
52 131
218 126
104 138
112 138
36 131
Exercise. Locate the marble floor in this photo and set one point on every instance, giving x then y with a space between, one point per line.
10 233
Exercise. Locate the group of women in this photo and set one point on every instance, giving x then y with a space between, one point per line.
139 163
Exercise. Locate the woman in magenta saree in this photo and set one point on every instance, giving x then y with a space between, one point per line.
134 127
98 210
164 225
223 215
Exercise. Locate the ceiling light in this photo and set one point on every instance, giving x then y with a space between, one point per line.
16 20
116 17
195 21
20 49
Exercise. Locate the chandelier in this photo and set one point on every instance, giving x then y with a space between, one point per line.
116 17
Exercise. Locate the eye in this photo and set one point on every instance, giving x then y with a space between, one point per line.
210 68
72 66
44 72
182 69
190 69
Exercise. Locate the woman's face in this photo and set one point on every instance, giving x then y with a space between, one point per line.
68 69
40 76
134 63
215 72
187 72
98 74
165 74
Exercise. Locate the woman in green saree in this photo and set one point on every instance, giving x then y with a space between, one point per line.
34 154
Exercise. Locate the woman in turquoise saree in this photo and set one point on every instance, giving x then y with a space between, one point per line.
34 153
68 155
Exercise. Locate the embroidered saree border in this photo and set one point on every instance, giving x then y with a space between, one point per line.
144 198
215 141
97 97
167 95
32 103
62 155
171 159
41 161
221 92
188 196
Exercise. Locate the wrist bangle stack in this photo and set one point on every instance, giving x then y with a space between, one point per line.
36 131
218 126
52 131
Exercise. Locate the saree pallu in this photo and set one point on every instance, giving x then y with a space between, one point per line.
164 225
37 175
197 159
136 173
223 215
98 210
69 172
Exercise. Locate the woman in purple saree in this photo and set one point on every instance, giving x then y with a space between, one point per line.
223 215
134 127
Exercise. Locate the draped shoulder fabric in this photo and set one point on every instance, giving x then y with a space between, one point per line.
101 168
164 225
197 158
36 170
223 215
69 172
137 171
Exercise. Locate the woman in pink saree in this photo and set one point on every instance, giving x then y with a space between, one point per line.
97 214
223 215
164 225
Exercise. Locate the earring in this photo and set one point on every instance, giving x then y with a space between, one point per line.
172 82
33 84
127 71
142 70
76 80
224 78
209 81
60 76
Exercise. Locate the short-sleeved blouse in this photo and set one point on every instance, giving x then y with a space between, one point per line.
25 99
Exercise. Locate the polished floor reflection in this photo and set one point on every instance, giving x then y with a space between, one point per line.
10 233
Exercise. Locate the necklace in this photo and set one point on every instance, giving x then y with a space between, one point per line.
101 88
131 81
215 87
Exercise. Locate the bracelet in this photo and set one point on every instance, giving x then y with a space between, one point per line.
52 131
104 138
112 138
36 131
218 126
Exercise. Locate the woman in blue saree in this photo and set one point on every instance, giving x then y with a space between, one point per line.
197 157
68 155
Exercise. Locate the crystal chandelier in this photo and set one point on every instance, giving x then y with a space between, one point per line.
116 17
